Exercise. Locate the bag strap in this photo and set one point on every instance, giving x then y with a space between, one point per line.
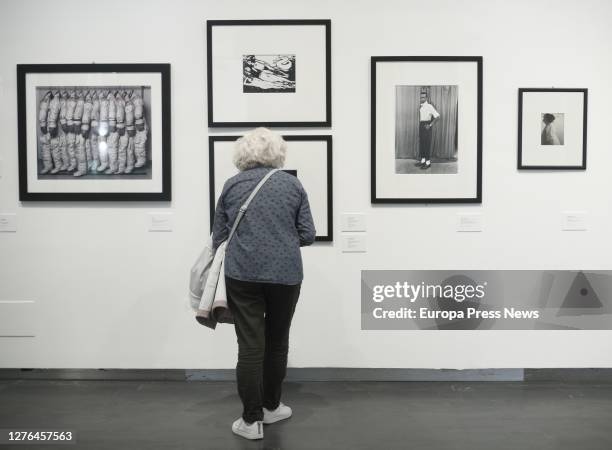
246 204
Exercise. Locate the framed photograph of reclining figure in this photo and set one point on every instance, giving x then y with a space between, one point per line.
426 130
552 129
269 73
94 132
309 158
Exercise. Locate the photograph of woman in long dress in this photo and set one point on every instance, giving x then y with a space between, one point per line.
552 128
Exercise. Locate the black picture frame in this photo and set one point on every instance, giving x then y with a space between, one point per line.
329 161
212 123
163 69
374 198
519 163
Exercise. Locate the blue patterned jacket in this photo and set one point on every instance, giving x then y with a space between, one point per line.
266 244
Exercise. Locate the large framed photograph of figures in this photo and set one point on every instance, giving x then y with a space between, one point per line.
269 73
309 158
426 130
552 129
94 132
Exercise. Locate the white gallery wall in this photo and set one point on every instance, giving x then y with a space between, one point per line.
97 290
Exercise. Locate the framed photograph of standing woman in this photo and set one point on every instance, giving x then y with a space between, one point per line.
269 73
552 129
426 129
92 132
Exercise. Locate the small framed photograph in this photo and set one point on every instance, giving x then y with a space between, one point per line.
309 158
94 132
269 73
426 129
552 129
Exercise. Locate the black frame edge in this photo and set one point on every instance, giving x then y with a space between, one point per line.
519 164
166 98
327 123
327 138
479 159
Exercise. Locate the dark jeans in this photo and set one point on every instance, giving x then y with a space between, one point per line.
262 318
424 141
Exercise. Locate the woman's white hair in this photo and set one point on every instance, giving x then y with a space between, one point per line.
260 147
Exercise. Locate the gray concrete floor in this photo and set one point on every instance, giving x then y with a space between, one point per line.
332 415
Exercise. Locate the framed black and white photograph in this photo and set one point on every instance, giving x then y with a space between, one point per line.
426 129
552 129
309 158
92 132
269 73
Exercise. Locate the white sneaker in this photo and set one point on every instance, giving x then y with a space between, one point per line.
280 413
252 431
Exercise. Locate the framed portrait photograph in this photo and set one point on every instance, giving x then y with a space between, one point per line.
552 129
269 73
426 129
94 132
309 158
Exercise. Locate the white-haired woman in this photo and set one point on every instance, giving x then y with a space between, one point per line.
263 272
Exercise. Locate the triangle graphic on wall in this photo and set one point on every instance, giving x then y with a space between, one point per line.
581 294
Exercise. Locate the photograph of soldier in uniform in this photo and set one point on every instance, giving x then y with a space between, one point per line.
426 125
553 128
94 132
268 73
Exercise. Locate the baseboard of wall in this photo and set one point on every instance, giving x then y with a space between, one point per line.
593 375
293 374
94 374
374 374
297 374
